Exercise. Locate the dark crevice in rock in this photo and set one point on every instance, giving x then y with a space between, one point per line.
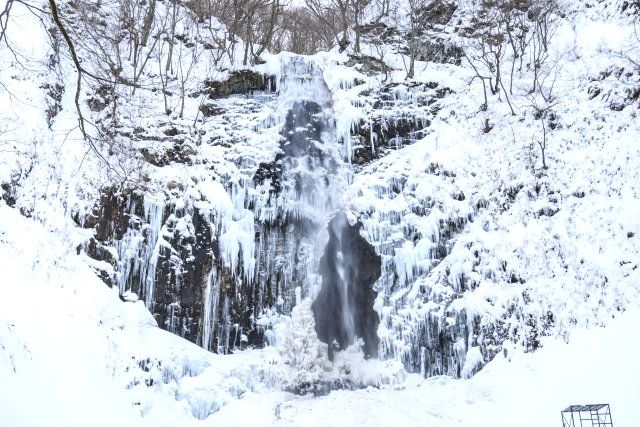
349 268
181 276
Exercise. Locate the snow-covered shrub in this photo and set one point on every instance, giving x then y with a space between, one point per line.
303 358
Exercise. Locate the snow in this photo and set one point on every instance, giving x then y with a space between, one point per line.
527 389
475 235
53 327
540 268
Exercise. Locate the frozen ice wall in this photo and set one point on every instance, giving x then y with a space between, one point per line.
217 261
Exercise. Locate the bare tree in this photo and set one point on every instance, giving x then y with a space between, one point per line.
542 111
300 32
268 23
358 8
336 15
543 16
515 28
488 36
415 18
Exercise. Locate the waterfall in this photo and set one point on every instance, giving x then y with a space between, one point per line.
343 309
210 308
219 264
341 265
312 179
327 252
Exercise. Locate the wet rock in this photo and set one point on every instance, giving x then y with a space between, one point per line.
210 109
181 276
110 216
343 310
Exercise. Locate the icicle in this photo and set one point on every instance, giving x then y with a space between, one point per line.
212 292
151 250
138 251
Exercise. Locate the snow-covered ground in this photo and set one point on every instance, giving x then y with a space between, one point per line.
552 255
519 389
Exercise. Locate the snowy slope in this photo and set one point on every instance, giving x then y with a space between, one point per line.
517 269
72 350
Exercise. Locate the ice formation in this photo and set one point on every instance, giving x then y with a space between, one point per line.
252 237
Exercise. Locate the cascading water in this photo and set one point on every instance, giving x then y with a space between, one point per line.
220 255
346 298
314 176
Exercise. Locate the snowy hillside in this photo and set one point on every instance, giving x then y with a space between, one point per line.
407 229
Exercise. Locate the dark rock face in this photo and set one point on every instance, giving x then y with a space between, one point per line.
179 152
397 121
180 277
239 82
439 12
438 50
343 310
110 217
181 265
434 41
